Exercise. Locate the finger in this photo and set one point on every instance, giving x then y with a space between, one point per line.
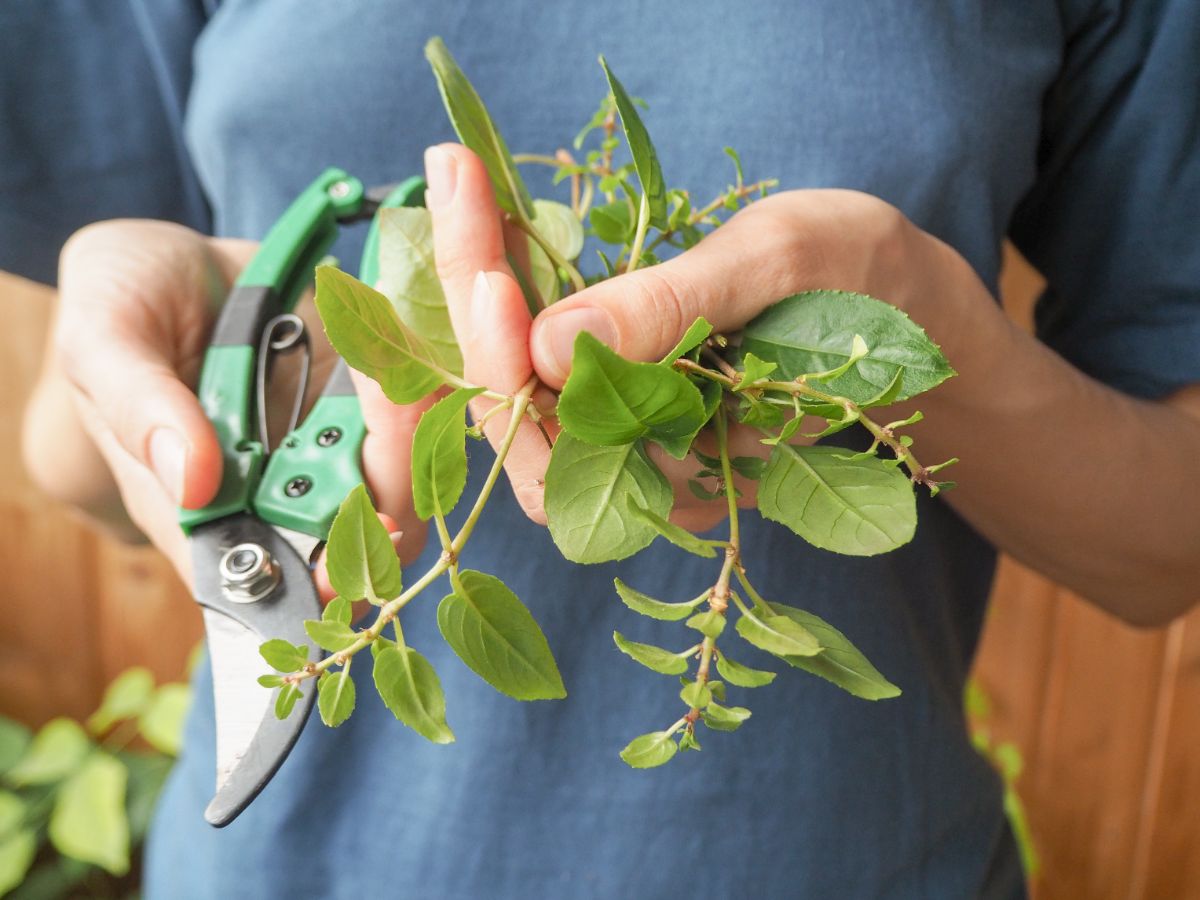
727 278
387 459
486 305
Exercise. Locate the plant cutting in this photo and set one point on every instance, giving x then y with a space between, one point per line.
810 366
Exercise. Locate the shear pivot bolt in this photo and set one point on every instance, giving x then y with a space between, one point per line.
248 573
297 487
339 189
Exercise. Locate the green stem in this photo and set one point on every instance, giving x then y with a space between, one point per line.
639 236
556 258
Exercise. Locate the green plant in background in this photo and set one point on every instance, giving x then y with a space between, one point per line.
1006 759
810 366
76 800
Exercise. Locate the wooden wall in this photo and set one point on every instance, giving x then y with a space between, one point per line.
1104 716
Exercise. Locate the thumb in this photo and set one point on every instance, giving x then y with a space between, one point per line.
727 278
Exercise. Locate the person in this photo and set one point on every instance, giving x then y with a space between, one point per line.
908 139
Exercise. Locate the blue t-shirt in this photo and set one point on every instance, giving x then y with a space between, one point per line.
1071 126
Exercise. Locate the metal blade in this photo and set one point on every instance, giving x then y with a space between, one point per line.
251 743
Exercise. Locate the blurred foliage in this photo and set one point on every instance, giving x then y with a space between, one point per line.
76 798
1006 759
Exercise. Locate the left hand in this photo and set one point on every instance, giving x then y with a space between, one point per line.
786 243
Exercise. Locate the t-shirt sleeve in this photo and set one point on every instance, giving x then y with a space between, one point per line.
91 99
1113 221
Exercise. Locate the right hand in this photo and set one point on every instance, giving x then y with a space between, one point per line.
114 427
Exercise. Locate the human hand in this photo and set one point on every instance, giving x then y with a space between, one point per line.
790 242
137 302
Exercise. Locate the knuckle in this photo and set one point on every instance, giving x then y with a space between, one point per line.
664 304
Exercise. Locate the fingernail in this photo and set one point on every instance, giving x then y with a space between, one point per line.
396 538
441 171
168 459
556 337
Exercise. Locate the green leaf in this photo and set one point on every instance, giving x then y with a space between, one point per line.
753 369
742 676
718 690
777 634
54 753
360 556
88 822
562 230
655 609
338 610
12 813
696 334
470 119
676 534
285 700
839 660
814 332
493 632
654 658
608 400
14 739
270 681
365 330
161 723
695 695
859 507
411 690
17 851
709 623
283 656
125 698
612 222
408 278
687 741
588 489
678 445
439 455
644 158
335 697
858 350
725 718
331 636
649 750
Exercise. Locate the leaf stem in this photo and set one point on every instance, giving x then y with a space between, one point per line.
639 236
555 257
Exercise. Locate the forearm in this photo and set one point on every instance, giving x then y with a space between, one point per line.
1092 487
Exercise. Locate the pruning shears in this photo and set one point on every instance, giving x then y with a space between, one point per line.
253 546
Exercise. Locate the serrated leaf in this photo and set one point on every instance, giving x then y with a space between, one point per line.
270 681
17 851
709 623
696 334
777 634
285 700
493 632
88 821
475 128
161 723
335 697
439 455
742 676
608 400
695 695
839 660
649 750
857 507
645 160
588 489
408 278
676 534
58 747
411 690
612 222
331 636
725 718
339 609
814 332
125 698
654 658
360 556
282 655
655 609
680 444
365 330
561 229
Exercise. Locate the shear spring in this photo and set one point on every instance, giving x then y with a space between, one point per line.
282 335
